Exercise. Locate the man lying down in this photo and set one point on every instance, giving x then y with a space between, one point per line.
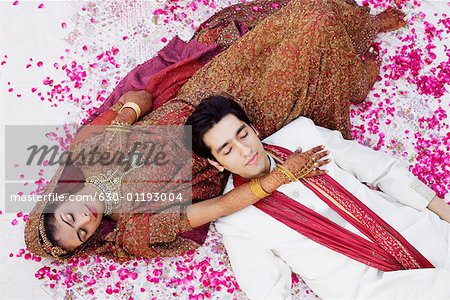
346 240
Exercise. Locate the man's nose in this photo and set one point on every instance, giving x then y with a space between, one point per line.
244 149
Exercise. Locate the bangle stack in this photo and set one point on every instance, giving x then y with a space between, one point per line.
257 190
287 173
290 177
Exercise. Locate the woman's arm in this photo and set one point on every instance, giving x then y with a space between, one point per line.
240 197
127 115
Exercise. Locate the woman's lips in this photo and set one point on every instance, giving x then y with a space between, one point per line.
252 160
94 213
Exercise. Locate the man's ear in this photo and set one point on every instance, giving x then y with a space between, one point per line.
256 131
216 165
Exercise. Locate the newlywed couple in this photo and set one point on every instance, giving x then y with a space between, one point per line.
286 59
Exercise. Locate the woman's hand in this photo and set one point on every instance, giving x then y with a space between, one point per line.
127 115
299 163
295 164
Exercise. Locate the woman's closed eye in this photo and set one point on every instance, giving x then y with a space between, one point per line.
72 218
83 234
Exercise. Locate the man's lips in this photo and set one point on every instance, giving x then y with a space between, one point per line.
252 160
93 212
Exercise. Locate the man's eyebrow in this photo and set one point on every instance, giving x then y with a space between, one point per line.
78 234
240 129
227 142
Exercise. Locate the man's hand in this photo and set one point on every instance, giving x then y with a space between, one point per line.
440 207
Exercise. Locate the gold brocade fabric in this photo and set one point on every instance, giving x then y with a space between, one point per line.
303 60
228 25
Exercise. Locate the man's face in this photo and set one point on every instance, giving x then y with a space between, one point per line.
236 147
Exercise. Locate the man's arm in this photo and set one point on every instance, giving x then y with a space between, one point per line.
259 272
440 207
380 169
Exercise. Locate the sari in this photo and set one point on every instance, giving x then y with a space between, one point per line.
279 60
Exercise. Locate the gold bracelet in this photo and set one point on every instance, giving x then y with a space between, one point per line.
278 173
305 170
287 172
116 107
257 190
134 107
118 127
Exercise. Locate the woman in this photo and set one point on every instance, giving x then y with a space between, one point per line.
302 60
66 227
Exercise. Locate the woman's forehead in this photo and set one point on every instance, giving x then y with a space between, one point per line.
65 235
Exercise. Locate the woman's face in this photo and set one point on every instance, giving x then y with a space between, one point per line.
76 222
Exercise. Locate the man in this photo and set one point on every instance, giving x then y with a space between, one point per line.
263 250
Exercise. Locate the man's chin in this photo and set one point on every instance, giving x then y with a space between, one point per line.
252 173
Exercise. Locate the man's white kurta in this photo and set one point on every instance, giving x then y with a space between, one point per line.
263 251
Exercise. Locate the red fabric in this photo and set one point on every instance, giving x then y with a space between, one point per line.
388 250
175 51
165 84
89 131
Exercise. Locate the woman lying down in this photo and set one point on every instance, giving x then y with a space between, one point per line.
288 59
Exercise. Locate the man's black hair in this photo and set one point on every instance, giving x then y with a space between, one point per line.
207 114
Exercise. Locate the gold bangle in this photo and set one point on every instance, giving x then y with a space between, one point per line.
257 190
116 129
134 107
287 172
285 179
119 127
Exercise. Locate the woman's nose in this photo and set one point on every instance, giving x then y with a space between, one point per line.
84 218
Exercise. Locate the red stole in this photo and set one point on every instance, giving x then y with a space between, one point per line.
387 249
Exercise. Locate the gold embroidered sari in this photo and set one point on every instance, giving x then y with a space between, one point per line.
295 58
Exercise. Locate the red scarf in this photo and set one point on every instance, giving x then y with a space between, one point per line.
387 249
